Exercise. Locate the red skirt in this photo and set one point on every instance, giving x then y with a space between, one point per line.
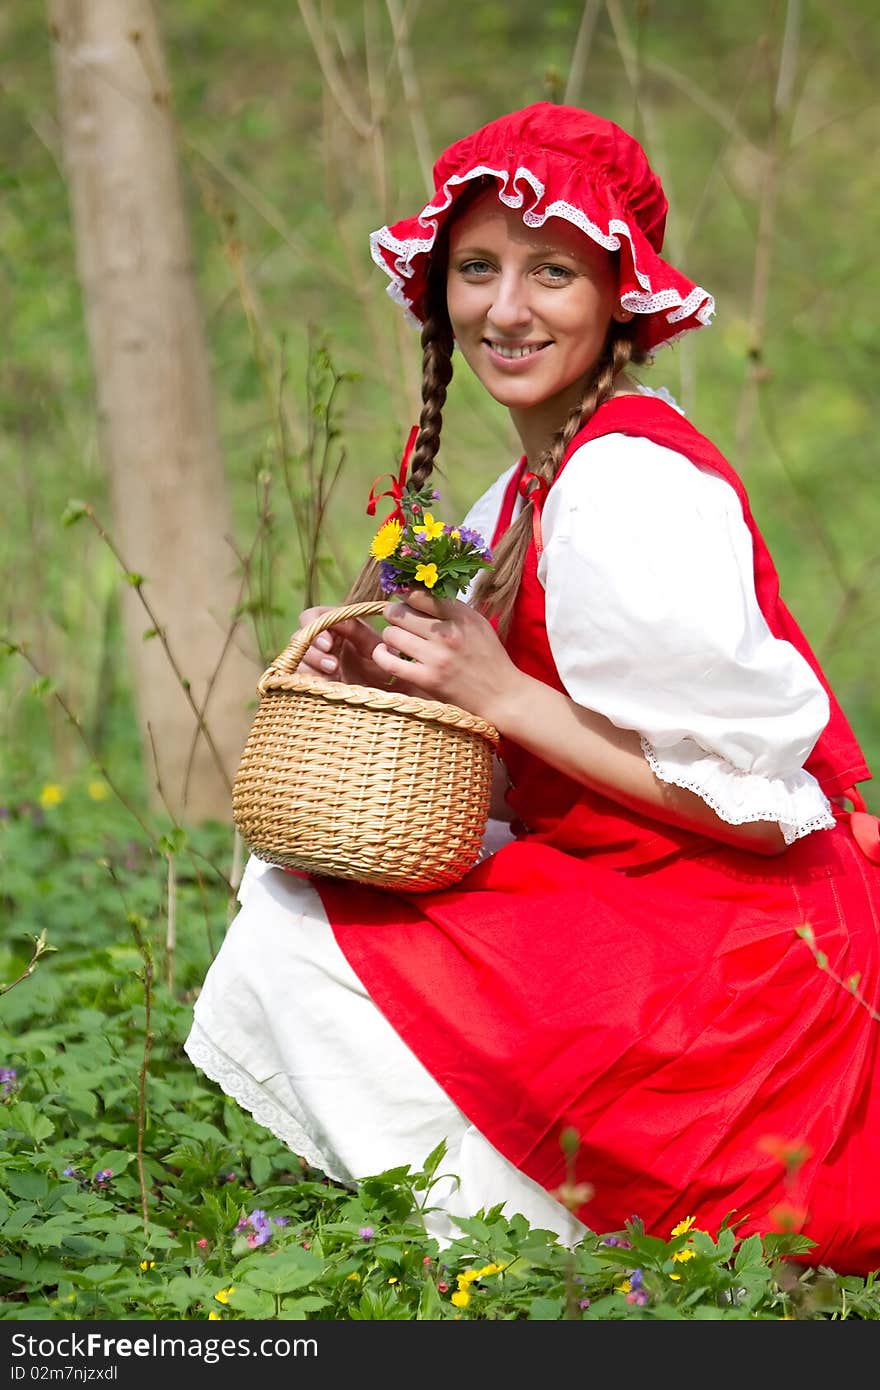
708 1025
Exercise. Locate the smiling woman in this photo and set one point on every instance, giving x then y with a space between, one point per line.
530 314
669 948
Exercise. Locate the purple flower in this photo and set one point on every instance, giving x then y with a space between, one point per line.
103 1176
584 1303
261 1227
70 1172
389 579
636 1279
366 1233
8 1080
281 1220
638 1297
476 542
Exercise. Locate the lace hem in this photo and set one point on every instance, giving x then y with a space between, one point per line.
241 1087
797 804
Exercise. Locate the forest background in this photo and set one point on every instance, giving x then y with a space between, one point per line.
299 128
762 121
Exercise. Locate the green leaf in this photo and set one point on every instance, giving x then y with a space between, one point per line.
74 512
261 1170
284 1272
32 1186
545 1309
298 1309
31 1121
253 1302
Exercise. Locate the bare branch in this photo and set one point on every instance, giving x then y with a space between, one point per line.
332 76
581 52
411 91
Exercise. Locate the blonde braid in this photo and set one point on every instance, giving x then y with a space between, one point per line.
496 589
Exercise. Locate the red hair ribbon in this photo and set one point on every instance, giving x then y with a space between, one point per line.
534 489
395 491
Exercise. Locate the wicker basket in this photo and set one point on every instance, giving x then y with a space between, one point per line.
353 782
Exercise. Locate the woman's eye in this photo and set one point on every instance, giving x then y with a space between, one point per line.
555 274
475 268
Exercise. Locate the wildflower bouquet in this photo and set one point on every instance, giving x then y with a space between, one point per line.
414 549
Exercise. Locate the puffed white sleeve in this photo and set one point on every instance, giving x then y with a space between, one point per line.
653 621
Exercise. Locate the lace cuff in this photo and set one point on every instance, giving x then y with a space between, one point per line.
796 802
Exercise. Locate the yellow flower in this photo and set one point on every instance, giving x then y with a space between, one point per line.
676 1277
98 790
455 535
386 540
51 795
682 1255
393 1279
625 1287
214 1317
461 1299
430 528
683 1226
427 575
222 1295
354 1275
147 1264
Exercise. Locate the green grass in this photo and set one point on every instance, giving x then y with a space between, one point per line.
129 1184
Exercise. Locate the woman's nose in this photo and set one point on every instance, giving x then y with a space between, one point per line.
510 305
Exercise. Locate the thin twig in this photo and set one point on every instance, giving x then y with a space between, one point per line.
411 91
581 52
60 700
756 372
137 583
171 920
40 949
147 956
332 77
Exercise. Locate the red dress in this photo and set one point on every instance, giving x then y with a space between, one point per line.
650 987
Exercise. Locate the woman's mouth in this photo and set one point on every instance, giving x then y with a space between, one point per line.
513 352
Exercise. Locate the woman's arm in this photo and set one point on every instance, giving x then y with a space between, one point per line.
450 652
590 749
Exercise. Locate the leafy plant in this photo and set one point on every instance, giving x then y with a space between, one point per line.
130 1190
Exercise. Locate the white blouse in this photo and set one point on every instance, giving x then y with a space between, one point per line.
653 621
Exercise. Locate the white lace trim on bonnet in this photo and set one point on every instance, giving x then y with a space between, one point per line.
699 302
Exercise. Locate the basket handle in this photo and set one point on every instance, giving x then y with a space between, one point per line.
286 663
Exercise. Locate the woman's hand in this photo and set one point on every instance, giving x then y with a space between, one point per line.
454 655
343 652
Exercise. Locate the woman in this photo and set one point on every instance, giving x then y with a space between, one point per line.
673 949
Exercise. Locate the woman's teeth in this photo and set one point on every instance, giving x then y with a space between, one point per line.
504 350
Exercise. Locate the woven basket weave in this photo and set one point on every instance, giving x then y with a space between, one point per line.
353 782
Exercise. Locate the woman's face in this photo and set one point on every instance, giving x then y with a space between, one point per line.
530 308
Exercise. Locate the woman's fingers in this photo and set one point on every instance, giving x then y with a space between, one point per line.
341 652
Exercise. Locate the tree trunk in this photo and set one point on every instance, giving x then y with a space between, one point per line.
156 422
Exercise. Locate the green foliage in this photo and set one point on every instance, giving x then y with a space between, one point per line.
131 1188
282 192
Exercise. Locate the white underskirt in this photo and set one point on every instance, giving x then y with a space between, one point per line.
285 1027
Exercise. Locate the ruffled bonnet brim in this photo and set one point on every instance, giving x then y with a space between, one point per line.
550 185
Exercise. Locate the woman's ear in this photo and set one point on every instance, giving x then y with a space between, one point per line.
622 315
